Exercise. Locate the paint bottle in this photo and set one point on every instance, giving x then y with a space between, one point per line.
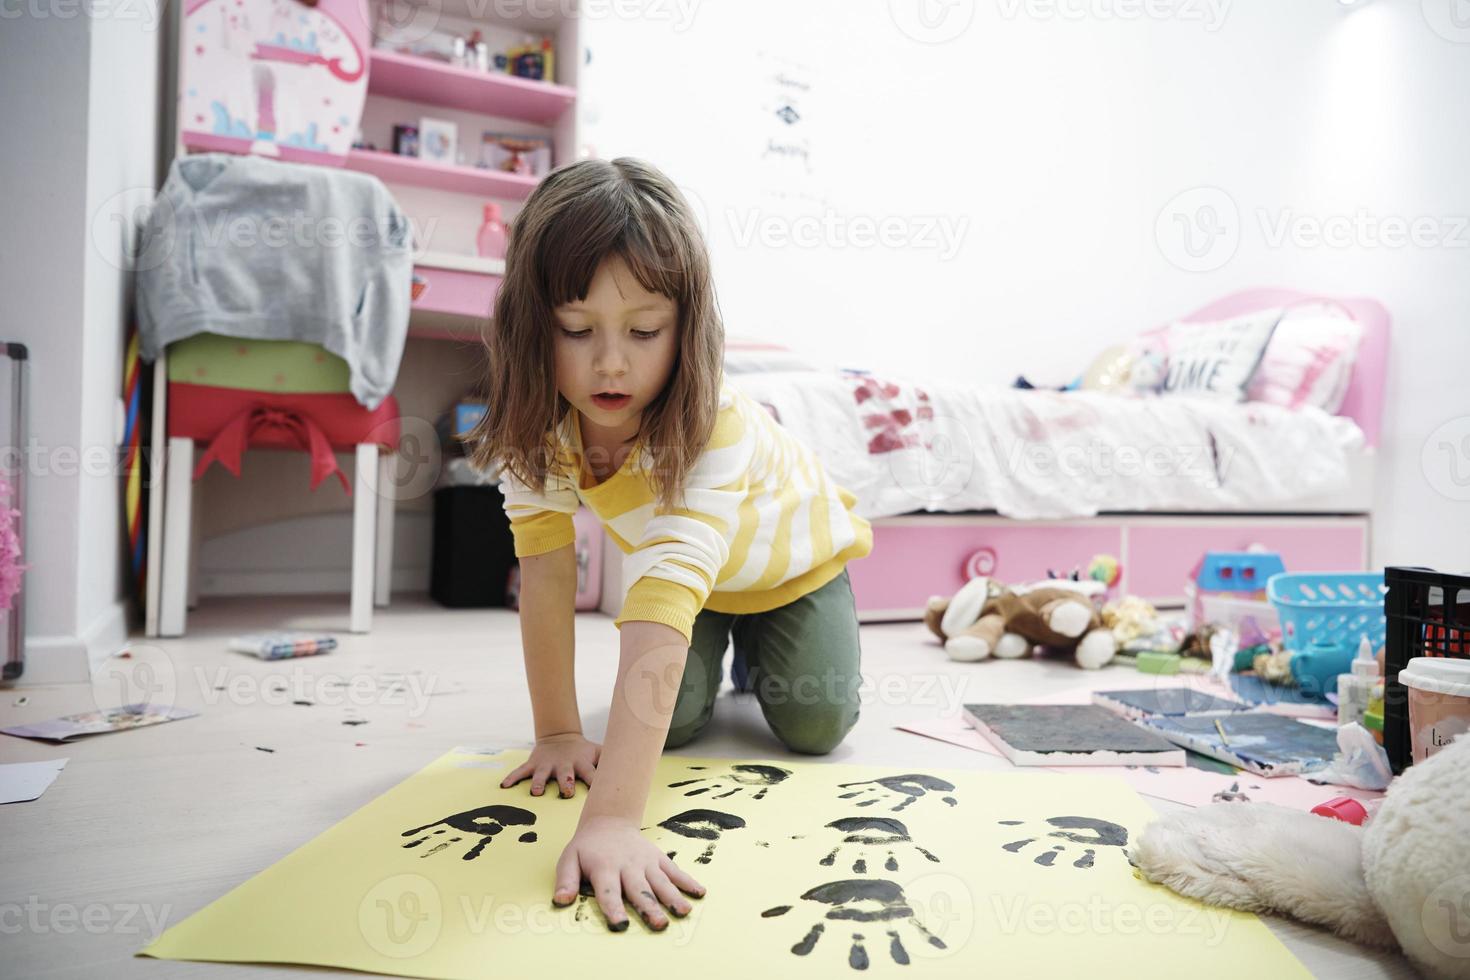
1355 688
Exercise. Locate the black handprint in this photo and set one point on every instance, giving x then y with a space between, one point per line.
1103 833
855 900
743 776
705 825
911 786
486 822
880 831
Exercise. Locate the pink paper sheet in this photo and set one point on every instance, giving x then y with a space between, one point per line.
1187 785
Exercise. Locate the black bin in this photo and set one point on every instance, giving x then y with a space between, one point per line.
473 549
1428 615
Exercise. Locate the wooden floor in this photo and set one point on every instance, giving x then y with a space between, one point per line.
143 828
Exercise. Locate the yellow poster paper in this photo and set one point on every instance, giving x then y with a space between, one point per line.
812 870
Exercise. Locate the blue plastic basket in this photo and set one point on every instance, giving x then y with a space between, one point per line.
1328 608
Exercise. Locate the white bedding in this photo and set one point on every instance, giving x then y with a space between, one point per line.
903 448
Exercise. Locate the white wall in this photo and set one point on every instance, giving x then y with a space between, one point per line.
1050 136
80 96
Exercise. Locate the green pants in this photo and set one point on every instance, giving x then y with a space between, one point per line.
803 666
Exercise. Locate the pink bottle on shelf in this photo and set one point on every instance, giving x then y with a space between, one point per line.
490 242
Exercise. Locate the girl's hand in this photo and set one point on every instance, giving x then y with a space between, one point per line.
620 863
564 758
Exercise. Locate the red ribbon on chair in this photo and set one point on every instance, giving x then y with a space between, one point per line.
245 428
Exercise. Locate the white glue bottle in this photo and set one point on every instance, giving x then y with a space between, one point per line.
1355 688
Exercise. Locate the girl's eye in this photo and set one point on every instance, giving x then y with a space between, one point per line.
574 334
646 334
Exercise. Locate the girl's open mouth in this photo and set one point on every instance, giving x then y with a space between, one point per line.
606 400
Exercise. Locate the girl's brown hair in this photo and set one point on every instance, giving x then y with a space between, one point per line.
578 216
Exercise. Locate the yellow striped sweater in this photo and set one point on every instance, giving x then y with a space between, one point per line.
761 526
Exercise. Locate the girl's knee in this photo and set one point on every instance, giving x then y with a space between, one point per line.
683 734
815 729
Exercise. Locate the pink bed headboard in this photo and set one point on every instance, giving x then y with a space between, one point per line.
1365 394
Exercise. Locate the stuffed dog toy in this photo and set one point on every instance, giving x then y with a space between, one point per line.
986 617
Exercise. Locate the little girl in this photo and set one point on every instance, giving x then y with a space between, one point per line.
606 390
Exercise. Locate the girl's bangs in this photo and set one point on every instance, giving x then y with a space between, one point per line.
584 236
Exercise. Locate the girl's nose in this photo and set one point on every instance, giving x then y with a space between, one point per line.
611 361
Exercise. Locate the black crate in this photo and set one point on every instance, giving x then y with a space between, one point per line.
473 549
1428 615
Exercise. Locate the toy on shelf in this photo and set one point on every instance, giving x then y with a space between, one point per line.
490 241
516 153
533 59
987 617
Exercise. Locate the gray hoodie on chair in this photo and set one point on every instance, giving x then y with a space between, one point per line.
249 247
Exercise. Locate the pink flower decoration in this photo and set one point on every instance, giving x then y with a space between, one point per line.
10 566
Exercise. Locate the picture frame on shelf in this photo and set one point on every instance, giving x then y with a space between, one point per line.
438 140
406 140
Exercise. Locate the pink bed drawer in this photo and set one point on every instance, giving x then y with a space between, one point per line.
1161 555
913 559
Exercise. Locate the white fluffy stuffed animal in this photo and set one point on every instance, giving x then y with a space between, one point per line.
1403 880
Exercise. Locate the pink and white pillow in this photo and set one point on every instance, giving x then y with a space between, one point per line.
1310 359
1214 360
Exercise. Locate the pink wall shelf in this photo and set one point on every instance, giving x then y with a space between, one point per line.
397 169
404 76
457 293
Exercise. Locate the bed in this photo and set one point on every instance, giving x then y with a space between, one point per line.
964 480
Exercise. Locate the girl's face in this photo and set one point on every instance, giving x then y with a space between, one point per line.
614 351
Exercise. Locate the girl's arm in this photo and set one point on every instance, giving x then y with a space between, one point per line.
650 666
548 600
548 605
608 849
